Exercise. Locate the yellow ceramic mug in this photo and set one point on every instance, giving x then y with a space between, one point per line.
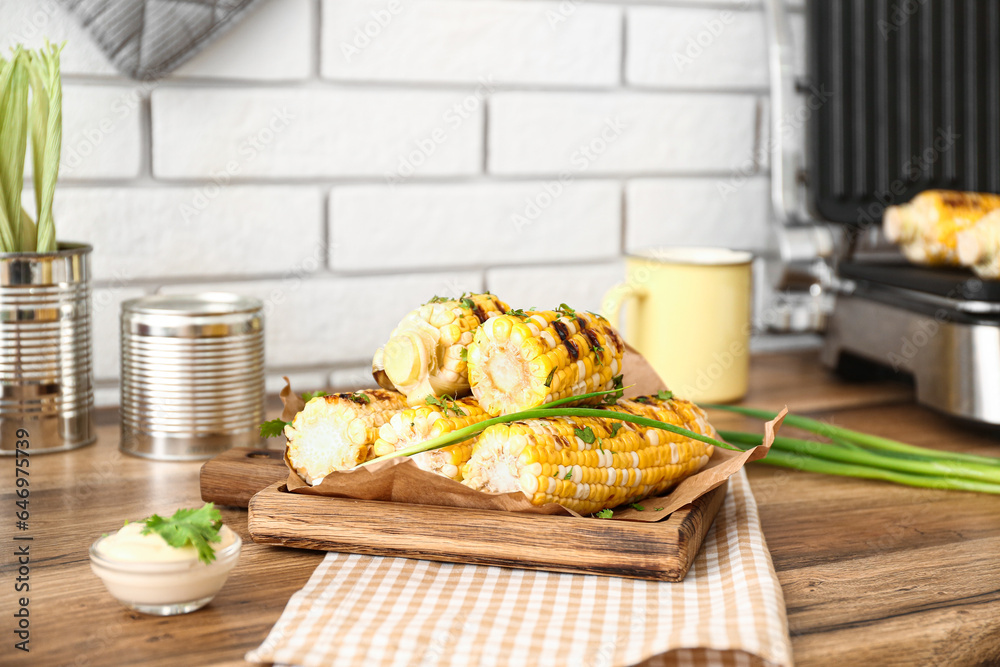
690 317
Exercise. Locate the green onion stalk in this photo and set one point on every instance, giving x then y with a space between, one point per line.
864 440
553 409
855 454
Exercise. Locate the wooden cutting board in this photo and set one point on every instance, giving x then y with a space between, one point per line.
661 551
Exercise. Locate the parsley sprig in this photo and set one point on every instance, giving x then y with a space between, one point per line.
273 428
198 527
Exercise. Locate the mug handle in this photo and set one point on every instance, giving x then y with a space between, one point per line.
611 305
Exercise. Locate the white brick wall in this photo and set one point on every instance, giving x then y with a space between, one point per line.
346 159
507 41
331 319
473 224
697 211
295 133
696 48
172 232
619 133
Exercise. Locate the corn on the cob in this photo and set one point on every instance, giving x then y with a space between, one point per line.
336 432
927 227
425 354
590 464
417 425
520 361
979 246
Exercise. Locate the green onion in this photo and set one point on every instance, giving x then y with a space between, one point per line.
789 459
552 409
859 456
856 437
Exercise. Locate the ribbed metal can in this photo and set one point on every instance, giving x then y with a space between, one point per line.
192 374
46 350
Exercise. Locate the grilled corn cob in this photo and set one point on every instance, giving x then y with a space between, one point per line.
927 227
520 361
979 246
590 464
417 425
336 432
425 352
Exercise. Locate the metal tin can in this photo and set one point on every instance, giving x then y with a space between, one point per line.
192 374
46 350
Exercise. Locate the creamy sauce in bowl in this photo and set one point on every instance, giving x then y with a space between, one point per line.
147 574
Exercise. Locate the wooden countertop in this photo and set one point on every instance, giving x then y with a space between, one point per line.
872 573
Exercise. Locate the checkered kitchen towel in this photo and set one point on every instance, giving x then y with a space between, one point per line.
365 610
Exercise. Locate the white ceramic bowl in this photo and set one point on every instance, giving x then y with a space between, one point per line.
165 589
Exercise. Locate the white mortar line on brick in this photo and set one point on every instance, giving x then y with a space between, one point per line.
316 34
327 84
332 182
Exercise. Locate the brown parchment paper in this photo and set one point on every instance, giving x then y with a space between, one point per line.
400 480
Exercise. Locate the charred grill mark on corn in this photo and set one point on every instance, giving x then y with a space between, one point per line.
549 462
424 354
519 362
417 425
336 432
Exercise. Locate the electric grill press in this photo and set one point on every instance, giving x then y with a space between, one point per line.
899 97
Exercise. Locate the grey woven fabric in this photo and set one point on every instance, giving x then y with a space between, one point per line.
147 39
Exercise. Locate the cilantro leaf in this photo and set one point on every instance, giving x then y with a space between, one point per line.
569 475
642 399
658 509
467 302
664 395
197 527
605 514
638 507
273 428
587 435
563 308
360 397
310 395
516 313
619 391
438 299
615 428
464 354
